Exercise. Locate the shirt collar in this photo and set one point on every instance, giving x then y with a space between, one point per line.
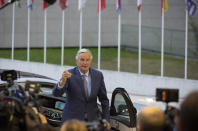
86 74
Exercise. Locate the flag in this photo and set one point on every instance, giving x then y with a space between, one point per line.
165 4
29 4
191 7
2 2
44 5
139 3
118 6
81 4
63 4
102 5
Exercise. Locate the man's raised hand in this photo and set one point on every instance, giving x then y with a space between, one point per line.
66 74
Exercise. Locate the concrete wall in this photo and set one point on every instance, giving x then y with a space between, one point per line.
143 85
151 26
54 22
151 17
174 40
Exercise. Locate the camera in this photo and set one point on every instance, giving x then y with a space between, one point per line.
18 106
171 113
9 75
101 125
167 95
32 87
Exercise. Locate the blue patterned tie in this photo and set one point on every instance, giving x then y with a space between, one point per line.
85 85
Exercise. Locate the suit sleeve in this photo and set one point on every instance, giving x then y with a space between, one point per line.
59 91
104 100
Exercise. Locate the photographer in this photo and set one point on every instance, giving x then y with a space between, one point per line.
73 125
18 107
188 117
151 119
77 125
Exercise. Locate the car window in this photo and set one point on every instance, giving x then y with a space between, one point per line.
120 105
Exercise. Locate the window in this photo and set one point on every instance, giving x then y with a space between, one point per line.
121 106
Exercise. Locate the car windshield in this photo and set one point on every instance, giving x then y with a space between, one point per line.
25 79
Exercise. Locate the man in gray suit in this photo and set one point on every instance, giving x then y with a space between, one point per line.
83 85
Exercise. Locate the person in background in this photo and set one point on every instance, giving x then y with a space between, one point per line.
151 119
73 125
83 85
188 116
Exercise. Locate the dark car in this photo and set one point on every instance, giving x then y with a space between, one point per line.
122 110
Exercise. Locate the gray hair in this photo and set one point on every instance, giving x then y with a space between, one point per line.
84 50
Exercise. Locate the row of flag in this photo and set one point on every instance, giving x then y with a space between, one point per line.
190 5
190 9
2 2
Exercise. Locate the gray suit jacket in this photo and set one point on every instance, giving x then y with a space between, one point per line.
77 104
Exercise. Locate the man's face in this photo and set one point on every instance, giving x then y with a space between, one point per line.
84 62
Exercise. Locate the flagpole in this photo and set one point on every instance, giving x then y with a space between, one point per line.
162 43
45 34
186 47
140 42
80 42
13 29
119 39
99 34
63 28
28 37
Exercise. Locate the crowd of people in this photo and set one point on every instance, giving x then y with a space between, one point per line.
149 119
154 119
83 85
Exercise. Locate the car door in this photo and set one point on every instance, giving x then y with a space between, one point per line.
122 112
